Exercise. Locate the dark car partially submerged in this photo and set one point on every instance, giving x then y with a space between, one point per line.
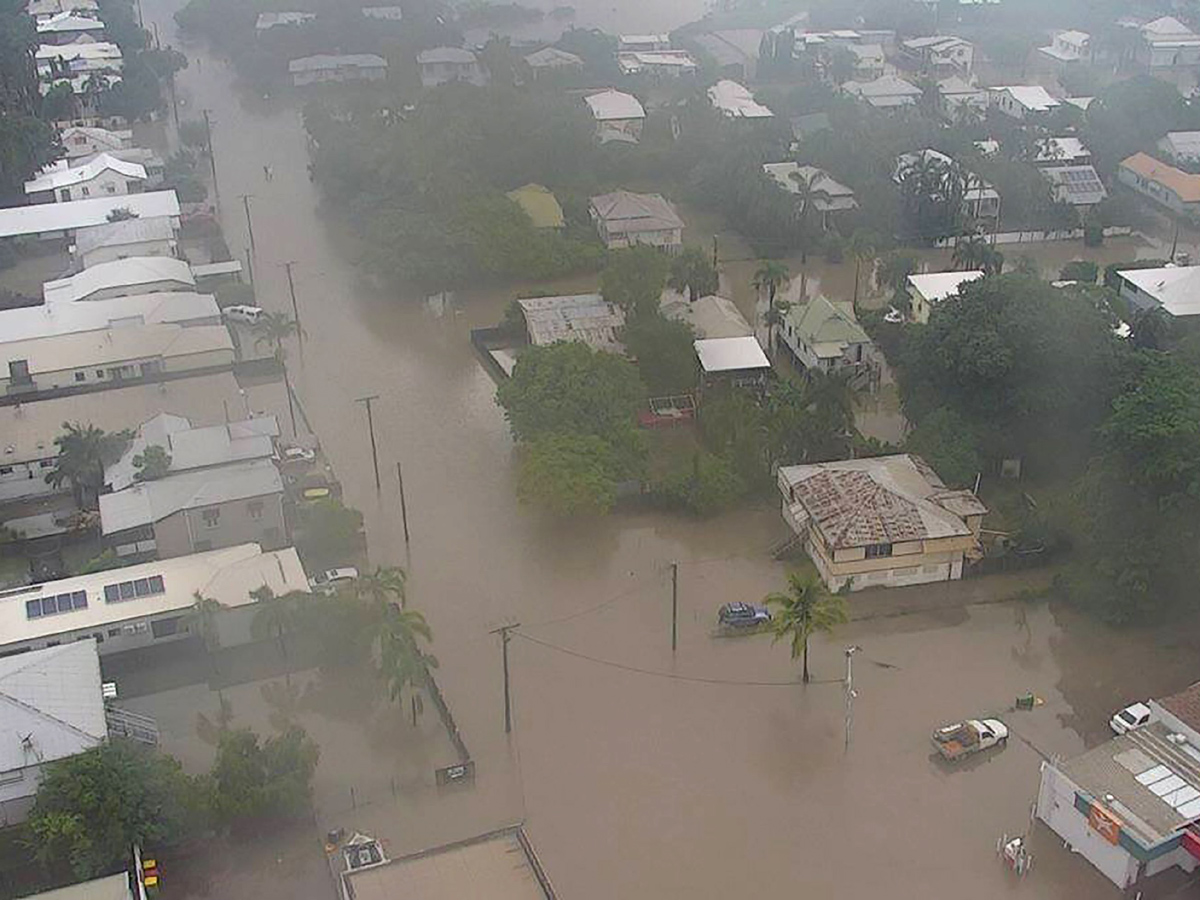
743 615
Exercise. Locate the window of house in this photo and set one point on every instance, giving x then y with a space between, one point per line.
79 376
86 191
211 517
6 470
46 464
875 551
114 632
165 627
254 509
65 195
12 776
99 373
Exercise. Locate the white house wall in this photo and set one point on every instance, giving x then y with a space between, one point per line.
17 790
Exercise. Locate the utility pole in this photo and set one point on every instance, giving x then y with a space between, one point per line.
714 251
250 265
850 692
503 631
212 157
249 221
403 505
674 603
287 386
1175 240
295 308
371 432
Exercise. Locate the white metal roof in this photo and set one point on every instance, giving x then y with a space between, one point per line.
268 20
455 55
390 13
111 887
66 177
42 218
180 308
50 700
115 346
120 273
321 62
614 105
97 50
731 354
227 575
1033 97
1181 143
735 101
935 286
68 21
193 447
1061 148
113 140
552 58
126 231
1176 288
152 501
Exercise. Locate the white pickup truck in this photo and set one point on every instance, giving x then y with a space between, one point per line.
964 738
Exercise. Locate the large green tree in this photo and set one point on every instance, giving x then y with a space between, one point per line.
634 279
257 783
665 353
92 807
945 440
83 453
568 473
692 272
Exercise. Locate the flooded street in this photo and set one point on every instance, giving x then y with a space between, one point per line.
705 773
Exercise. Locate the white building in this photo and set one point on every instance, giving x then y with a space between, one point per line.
121 240
734 101
646 43
619 116
870 62
76 64
121 278
929 289
888 92
551 59
47 320
1022 101
442 65
55 220
670 63
321 69
81 140
1131 806
825 337
1062 151
735 361
146 604
1174 289
941 54
112 356
383 13
104 175
51 708
957 94
1166 43
1068 47
69 28
268 20
827 195
1075 185
710 317
1181 147
625 219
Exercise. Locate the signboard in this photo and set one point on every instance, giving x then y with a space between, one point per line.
461 773
1104 823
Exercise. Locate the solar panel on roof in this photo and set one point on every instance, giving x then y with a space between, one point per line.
1190 810
1158 773
1183 795
1167 785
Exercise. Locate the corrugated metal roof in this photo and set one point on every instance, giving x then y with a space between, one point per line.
68 176
180 308
613 105
127 231
731 354
129 273
624 211
41 218
588 318
321 62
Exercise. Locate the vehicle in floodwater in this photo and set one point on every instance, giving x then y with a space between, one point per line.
961 739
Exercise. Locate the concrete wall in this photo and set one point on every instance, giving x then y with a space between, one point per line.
1056 807
918 563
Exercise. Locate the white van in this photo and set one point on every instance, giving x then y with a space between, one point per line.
249 315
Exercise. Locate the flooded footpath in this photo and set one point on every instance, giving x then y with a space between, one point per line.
706 772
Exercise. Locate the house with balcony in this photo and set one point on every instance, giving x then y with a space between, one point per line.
880 522
626 219
1131 806
827 195
940 55
1166 43
825 337
443 65
197 510
1068 48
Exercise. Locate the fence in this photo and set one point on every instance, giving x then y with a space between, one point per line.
1035 237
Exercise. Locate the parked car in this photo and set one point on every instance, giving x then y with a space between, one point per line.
1133 716
247 315
296 455
331 579
964 738
743 615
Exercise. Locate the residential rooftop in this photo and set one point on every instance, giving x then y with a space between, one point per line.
126 231
1184 705
1184 184
825 328
1077 185
450 55
147 502
731 354
268 20
179 308
588 318
50 700
827 194
45 218
552 58
613 105
736 101
122 344
322 62
227 576
625 212
880 500
710 317
1175 288
111 887
132 272
935 286
1033 97
67 176
68 21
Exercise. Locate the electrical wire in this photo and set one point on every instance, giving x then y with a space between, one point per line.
603 604
672 676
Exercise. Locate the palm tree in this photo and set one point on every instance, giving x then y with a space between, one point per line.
204 615
774 317
386 582
273 329
277 616
862 248
83 453
805 196
770 276
806 609
402 661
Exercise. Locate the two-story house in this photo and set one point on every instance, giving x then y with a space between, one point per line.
323 68
880 522
104 175
625 219
823 337
197 510
940 55
442 65
618 116
1166 43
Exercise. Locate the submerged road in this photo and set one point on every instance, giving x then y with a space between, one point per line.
639 772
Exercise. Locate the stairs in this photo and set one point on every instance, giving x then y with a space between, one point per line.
787 547
131 725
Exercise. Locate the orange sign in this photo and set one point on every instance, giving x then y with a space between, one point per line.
1104 823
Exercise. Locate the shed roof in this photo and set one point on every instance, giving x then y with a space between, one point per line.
613 105
1185 185
227 575
51 700
881 500
132 272
539 204
731 354
43 218
148 502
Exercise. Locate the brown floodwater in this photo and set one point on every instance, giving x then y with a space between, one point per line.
637 775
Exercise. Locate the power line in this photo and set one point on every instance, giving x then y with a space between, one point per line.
696 679
603 604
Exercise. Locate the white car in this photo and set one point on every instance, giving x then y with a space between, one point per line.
1133 716
893 316
249 315
297 455
331 579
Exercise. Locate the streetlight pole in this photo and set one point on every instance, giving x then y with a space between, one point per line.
249 221
295 307
212 157
850 692
503 631
371 431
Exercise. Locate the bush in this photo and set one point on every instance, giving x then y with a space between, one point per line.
1081 270
1093 234
710 486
